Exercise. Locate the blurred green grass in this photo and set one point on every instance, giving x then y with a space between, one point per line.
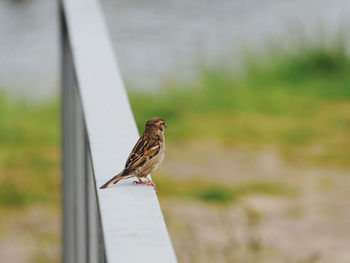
218 192
297 101
29 155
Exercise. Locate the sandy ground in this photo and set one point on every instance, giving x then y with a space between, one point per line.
31 235
312 226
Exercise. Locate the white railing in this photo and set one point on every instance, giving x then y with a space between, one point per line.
123 223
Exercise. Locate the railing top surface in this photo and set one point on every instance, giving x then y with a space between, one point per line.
132 222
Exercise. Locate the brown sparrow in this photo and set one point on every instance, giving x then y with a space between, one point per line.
146 156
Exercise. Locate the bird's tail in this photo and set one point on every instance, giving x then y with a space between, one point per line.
114 180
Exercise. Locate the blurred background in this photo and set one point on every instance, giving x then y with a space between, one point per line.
256 96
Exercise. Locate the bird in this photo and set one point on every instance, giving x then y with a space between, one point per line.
146 156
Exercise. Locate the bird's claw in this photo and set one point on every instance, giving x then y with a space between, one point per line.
149 183
138 182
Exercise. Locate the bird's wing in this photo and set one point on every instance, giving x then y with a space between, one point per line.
145 148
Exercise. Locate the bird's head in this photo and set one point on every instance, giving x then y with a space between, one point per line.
155 124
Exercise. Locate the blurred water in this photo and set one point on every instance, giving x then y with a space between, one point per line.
155 40
29 47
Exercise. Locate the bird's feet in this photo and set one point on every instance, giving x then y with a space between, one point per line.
148 182
139 181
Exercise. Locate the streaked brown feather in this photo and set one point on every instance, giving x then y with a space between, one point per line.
146 148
